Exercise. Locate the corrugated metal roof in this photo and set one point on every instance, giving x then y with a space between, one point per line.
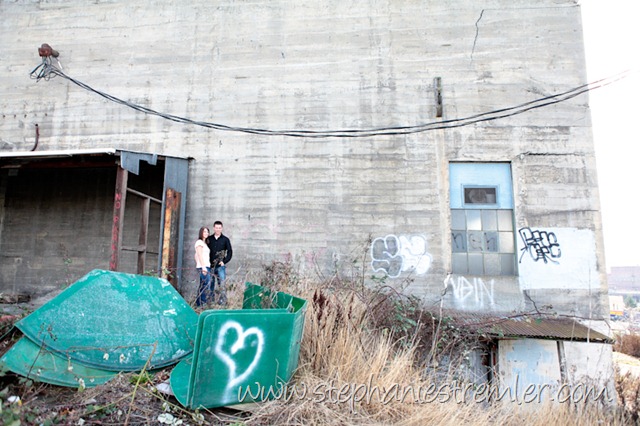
565 329
56 153
74 152
527 325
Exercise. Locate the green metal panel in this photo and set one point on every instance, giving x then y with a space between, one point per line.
112 321
236 349
37 363
180 380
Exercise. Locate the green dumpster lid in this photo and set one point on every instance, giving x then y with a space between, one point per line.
113 321
37 363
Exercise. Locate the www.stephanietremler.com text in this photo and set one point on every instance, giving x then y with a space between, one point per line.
458 392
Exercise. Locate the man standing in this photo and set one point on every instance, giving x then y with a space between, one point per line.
220 254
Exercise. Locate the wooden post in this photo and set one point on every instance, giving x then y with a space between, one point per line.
142 237
170 236
118 217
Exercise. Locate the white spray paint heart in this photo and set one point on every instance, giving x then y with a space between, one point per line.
236 378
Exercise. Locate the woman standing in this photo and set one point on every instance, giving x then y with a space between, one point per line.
204 266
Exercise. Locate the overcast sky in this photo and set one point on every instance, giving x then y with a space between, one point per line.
612 32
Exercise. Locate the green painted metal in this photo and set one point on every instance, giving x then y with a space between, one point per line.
31 360
242 355
115 321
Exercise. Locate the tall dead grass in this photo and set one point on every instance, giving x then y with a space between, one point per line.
628 390
345 356
628 344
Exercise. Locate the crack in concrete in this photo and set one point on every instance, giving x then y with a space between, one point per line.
473 49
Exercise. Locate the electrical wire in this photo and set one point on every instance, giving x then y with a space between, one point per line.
47 70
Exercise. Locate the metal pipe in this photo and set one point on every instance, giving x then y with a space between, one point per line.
37 138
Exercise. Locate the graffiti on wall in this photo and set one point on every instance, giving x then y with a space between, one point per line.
476 241
393 255
541 245
576 269
247 343
474 293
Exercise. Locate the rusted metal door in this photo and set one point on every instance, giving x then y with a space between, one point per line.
144 202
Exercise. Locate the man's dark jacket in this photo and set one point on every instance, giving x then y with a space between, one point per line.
220 250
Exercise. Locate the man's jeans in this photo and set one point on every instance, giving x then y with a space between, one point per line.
220 273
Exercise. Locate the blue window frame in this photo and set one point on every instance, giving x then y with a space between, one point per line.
482 231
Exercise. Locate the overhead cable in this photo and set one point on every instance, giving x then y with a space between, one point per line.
47 70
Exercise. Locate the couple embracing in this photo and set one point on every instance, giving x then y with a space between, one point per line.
213 252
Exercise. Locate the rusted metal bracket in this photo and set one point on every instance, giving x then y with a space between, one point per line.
46 51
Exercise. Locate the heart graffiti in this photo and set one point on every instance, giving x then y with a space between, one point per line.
230 358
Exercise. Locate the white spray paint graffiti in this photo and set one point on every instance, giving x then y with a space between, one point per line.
472 294
228 357
393 255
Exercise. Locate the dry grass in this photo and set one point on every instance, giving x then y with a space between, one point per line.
356 340
346 350
628 390
628 344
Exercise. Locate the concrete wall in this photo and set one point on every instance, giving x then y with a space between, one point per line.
590 364
331 65
56 228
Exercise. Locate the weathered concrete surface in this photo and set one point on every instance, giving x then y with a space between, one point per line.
323 65
526 362
586 361
534 372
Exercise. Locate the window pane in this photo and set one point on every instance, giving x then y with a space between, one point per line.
458 242
506 242
475 264
491 242
505 220
473 220
492 264
458 219
489 220
482 242
459 263
475 241
508 264
480 195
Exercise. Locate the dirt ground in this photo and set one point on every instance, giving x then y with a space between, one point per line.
120 401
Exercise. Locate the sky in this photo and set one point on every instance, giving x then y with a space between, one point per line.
611 34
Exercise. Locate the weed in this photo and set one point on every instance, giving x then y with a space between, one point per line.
143 378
